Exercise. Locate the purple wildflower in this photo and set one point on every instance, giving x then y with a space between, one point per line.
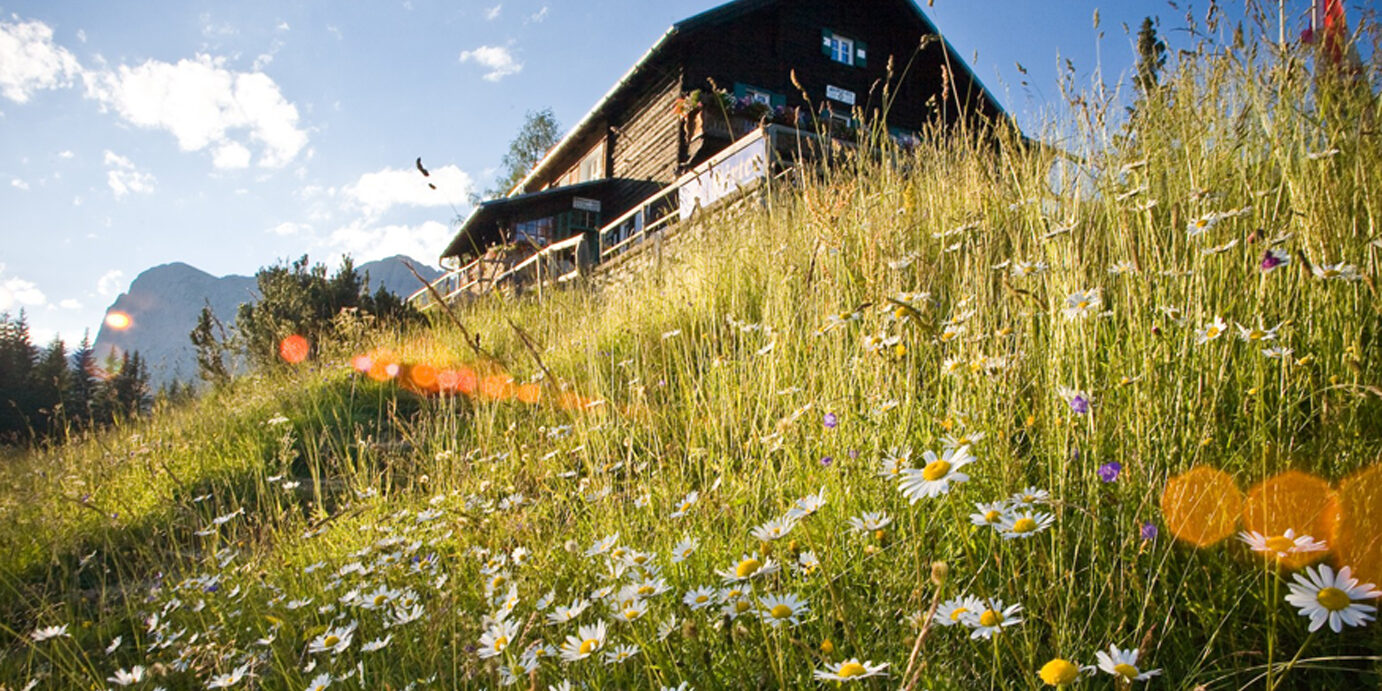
854 454
830 421
1148 531
827 461
1079 403
1272 259
1108 472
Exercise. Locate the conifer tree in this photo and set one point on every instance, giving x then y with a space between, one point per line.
80 395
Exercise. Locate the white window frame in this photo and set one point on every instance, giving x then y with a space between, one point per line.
842 49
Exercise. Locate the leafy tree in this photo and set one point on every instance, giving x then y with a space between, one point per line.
540 132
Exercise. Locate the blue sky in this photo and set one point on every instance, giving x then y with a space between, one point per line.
231 135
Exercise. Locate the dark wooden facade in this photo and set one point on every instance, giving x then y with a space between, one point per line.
641 136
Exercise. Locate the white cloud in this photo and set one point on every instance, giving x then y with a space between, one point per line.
17 292
539 15
30 61
111 283
231 155
289 228
282 26
124 178
365 242
492 13
70 304
203 104
66 154
19 184
81 35
497 58
376 192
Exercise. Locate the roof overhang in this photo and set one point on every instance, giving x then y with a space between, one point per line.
481 228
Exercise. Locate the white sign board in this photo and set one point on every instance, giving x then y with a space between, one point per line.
585 204
721 178
835 93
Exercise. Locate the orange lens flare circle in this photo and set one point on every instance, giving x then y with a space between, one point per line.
1201 505
1296 501
118 320
1357 537
293 349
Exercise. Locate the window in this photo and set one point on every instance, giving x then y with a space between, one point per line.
844 50
756 94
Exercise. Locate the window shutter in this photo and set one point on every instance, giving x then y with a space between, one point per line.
740 90
861 54
826 35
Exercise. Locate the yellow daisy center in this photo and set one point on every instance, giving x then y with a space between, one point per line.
588 646
500 643
380 599
331 641
781 612
748 567
990 618
645 589
1256 334
1212 331
1083 304
702 599
936 470
1333 599
1125 670
850 669
991 516
1280 543
741 606
959 611
1024 525
1059 672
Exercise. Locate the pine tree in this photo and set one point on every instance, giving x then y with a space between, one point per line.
17 357
50 382
209 338
1151 58
80 396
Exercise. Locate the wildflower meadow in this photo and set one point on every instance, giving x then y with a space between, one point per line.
974 412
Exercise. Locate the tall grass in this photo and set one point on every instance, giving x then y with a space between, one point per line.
879 289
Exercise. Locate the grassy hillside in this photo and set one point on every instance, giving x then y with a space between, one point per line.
743 468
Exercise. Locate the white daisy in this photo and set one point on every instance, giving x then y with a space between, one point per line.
779 610
229 679
321 681
43 634
1281 545
620 654
807 505
893 463
774 529
991 618
561 615
988 515
749 567
1081 304
686 503
589 641
700 598
1123 664
122 677
935 478
953 611
1024 523
1329 597
495 640
851 670
334 641
870 521
1210 331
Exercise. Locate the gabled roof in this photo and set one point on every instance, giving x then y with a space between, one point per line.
713 16
479 230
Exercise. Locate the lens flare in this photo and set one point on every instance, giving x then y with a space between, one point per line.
1292 500
1201 506
1357 538
118 320
293 349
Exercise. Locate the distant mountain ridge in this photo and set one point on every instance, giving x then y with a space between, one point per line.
163 304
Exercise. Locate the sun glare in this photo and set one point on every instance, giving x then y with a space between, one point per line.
118 320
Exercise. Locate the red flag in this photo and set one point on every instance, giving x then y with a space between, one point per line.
1328 25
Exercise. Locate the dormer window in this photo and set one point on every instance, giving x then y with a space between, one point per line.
843 49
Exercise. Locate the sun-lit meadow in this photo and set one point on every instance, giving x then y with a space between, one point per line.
905 424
